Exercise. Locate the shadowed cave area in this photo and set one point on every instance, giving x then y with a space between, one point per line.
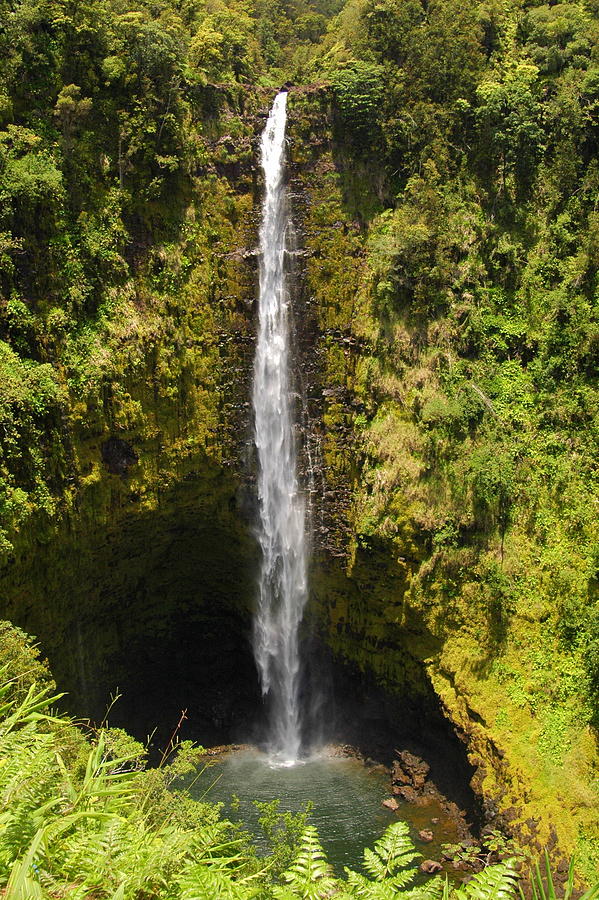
158 608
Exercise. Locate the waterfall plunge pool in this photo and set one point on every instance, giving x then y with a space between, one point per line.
346 798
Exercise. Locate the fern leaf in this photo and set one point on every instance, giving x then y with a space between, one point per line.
369 890
283 892
393 851
310 875
498 882
202 883
434 889
374 865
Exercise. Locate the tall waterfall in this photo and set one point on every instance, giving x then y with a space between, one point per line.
282 584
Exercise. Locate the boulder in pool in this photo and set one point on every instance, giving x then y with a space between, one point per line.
430 867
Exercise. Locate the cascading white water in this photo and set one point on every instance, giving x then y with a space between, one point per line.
282 584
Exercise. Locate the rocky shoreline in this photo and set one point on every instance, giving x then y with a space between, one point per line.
410 783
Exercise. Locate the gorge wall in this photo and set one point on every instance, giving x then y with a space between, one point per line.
417 577
149 516
142 560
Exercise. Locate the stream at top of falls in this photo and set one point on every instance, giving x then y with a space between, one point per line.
346 798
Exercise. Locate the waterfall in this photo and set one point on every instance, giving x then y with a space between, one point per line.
282 581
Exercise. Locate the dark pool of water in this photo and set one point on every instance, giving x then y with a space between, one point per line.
346 796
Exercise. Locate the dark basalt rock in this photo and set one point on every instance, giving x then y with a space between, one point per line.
410 769
430 867
118 456
406 793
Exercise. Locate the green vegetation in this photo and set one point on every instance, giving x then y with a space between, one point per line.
83 817
115 125
472 387
452 247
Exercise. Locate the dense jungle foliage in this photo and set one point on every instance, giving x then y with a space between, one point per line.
474 130
483 276
106 114
83 817
478 379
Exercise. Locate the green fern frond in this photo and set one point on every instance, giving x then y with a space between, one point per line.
203 883
434 889
360 886
392 888
393 851
283 892
498 882
22 885
310 875
374 865
27 791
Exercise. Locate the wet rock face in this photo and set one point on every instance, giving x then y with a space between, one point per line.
411 781
404 735
199 670
360 581
144 578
